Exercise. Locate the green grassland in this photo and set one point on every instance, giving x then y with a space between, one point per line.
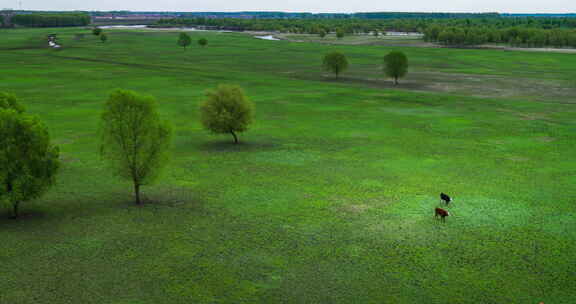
330 196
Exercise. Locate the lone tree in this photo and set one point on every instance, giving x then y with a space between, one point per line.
203 42
339 33
335 62
226 110
395 65
134 140
322 33
96 31
28 160
184 40
103 37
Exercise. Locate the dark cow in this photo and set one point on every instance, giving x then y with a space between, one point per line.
441 212
445 198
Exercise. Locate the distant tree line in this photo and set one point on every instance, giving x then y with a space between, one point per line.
362 25
514 36
51 20
526 31
300 26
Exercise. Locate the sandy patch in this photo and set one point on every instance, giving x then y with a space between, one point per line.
545 139
532 116
354 209
518 158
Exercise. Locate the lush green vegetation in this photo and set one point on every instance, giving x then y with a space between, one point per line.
28 160
134 141
330 196
184 40
515 36
452 31
335 62
395 65
227 110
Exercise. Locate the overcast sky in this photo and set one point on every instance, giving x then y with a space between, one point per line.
315 6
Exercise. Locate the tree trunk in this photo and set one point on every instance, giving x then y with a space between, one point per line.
15 207
235 137
137 193
396 80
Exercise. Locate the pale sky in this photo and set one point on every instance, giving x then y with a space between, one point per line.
327 6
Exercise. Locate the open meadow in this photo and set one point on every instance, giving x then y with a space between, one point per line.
329 197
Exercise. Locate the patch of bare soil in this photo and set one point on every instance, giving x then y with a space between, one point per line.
553 50
171 196
518 158
355 209
532 116
545 139
67 158
490 86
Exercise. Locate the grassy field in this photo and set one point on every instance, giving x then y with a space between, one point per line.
330 196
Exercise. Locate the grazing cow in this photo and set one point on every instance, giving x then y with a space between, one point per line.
445 198
441 212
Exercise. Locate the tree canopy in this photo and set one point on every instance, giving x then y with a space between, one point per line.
395 65
202 42
10 101
184 40
458 29
335 62
96 31
28 160
227 110
134 140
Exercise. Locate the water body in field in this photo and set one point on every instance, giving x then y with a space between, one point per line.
403 34
122 26
268 37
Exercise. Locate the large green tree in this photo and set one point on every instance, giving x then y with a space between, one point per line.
134 140
335 62
184 40
96 31
395 65
10 101
28 161
227 110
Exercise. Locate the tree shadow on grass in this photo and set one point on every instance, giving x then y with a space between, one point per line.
242 146
377 83
155 200
61 210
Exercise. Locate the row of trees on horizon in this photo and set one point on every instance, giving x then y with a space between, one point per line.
514 36
528 32
450 31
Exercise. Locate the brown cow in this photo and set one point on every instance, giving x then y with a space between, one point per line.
441 212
